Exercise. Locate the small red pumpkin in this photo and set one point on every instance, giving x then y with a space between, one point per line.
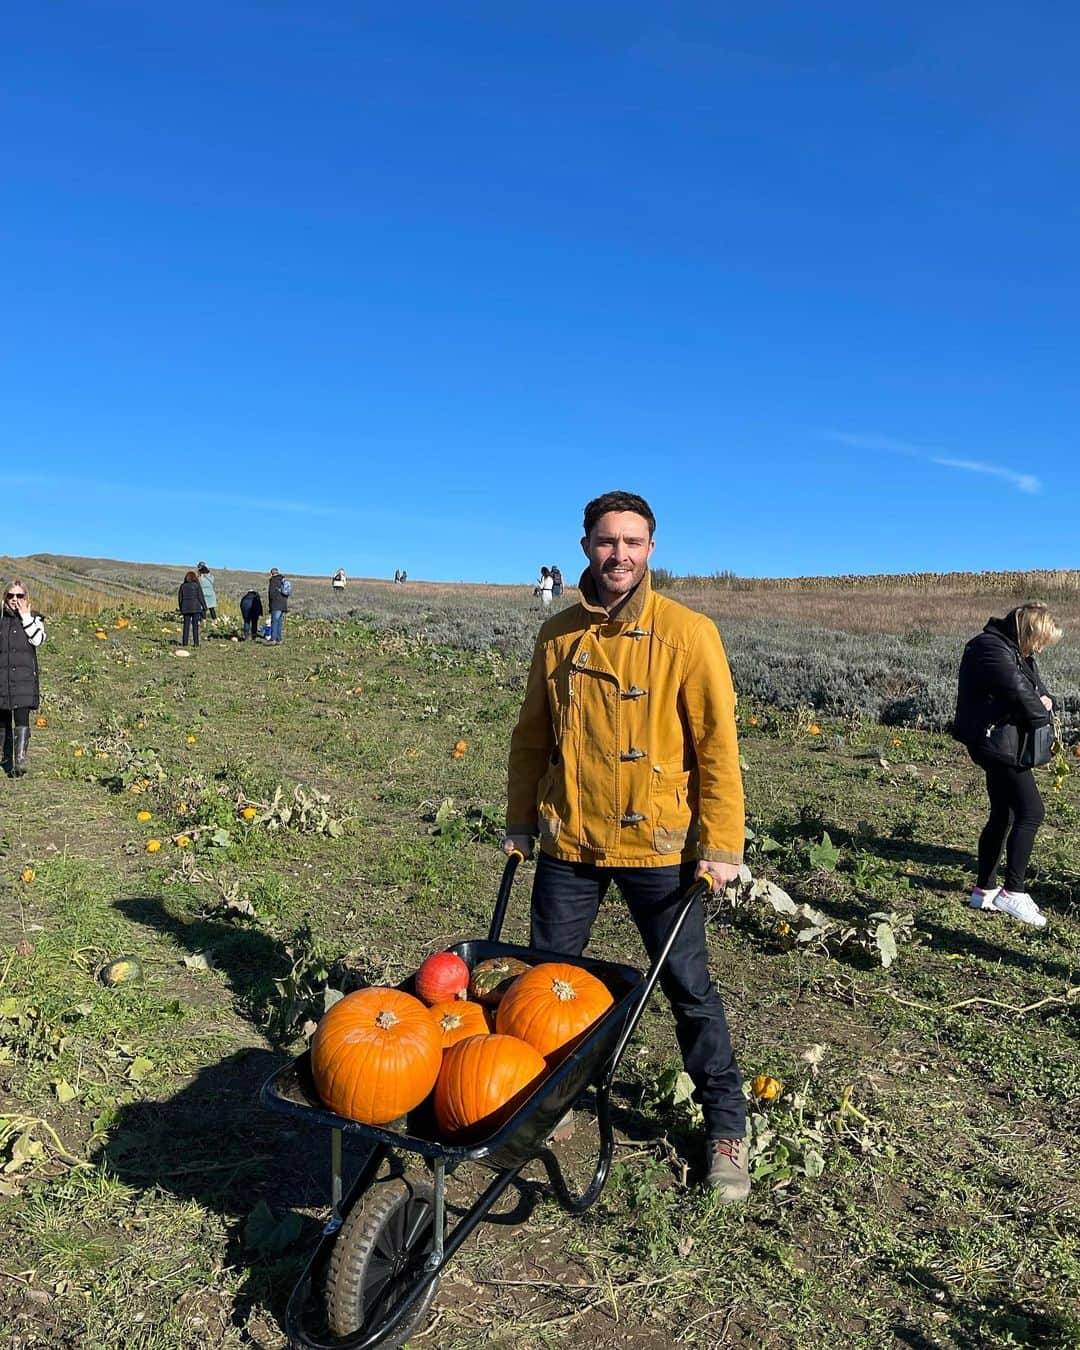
493 977
482 1082
442 976
552 1006
375 1055
459 1019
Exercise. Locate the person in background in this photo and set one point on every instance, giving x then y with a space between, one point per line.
22 631
545 586
556 583
192 606
337 581
206 581
397 576
404 576
278 593
1004 716
625 763
251 611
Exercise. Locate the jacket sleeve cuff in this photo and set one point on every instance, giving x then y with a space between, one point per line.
530 830
720 855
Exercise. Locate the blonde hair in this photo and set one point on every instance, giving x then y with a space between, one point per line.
1036 628
22 586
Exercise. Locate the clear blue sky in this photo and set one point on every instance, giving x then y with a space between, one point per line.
404 284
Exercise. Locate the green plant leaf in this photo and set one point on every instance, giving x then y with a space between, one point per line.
265 1232
823 855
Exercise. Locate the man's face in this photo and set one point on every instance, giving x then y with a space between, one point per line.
618 549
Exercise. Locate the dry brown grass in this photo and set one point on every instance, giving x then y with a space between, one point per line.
949 603
875 611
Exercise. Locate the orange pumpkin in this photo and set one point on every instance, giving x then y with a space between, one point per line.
492 978
482 1082
375 1055
551 1006
457 1020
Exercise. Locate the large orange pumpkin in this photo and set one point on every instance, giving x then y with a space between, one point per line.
552 1005
375 1055
482 1082
458 1019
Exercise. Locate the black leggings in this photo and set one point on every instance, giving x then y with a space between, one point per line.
1016 811
191 629
20 717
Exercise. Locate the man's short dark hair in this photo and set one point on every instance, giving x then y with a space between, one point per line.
618 501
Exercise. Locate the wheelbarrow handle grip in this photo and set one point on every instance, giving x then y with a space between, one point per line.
513 860
702 887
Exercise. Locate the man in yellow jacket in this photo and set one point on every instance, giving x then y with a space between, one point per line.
625 764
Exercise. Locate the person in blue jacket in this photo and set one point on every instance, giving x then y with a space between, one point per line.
206 581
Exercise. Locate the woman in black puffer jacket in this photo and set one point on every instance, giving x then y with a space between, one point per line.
1004 715
21 633
192 605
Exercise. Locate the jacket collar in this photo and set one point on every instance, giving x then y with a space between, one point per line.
1005 628
631 611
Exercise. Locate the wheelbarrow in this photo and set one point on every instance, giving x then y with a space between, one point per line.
375 1270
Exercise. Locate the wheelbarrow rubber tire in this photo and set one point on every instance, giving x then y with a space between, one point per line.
378 1254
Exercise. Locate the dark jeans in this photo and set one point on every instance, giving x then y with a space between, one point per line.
191 629
1016 812
565 900
251 617
211 613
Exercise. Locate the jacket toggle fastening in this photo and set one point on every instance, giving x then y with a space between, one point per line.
629 756
633 692
631 818
638 633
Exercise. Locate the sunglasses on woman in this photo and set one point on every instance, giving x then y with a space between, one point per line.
15 595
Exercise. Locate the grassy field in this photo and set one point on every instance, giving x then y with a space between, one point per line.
916 1179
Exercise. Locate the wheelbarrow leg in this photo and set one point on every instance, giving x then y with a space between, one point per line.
335 1176
438 1225
577 1204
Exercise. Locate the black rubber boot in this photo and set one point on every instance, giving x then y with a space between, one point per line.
18 758
6 754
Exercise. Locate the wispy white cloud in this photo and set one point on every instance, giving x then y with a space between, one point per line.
1023 482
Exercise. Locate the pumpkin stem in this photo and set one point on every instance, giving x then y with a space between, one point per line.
563 990
450 1021
387 1019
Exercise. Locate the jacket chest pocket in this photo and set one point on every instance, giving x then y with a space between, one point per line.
669 808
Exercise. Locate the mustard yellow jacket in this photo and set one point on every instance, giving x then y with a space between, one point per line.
625 752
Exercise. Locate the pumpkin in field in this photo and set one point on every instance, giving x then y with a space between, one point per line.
552 1005
459 1019
482 1082
766 1088
442 976
492 978
124 970
375 1055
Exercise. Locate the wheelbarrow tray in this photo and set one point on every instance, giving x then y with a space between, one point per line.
291 1089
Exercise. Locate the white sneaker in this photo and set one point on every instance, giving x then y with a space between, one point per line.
984 899
1021 906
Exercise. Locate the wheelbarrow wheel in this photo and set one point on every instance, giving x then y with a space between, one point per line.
377 1256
